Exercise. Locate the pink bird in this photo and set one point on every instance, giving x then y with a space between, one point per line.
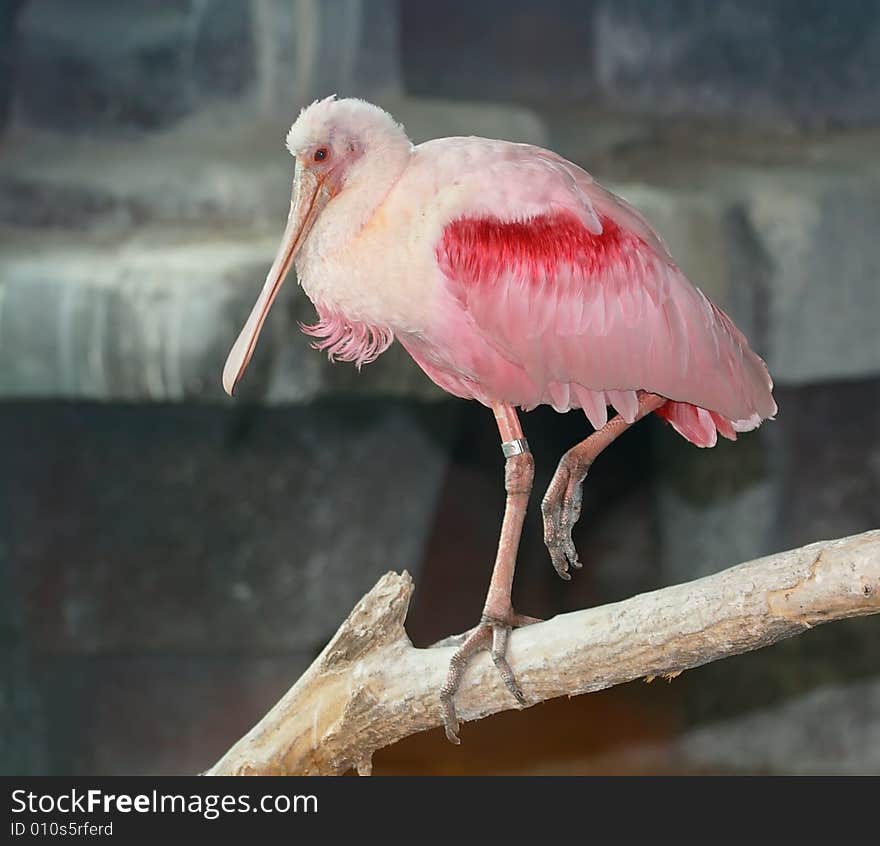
512 278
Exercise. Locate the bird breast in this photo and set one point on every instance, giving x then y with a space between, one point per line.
372 268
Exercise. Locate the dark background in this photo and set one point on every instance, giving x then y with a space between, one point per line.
171 560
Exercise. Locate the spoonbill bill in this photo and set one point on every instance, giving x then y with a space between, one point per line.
512 278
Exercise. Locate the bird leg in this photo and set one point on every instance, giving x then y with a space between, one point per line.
498 616
561 505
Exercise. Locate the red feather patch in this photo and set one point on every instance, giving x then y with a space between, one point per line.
480 249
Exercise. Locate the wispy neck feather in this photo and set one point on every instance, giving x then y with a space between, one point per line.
348 340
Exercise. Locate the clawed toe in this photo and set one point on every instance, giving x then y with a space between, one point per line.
500 634
561 509
490 634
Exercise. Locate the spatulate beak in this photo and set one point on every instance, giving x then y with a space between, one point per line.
309 196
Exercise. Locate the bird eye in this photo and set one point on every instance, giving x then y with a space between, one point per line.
321 154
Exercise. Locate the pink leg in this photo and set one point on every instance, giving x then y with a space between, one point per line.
498 616
561 506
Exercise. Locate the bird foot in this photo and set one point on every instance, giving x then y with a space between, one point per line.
561 509
492 633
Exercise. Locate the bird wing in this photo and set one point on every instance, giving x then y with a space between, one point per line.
570 283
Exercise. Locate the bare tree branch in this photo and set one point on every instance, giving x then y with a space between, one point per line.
370 687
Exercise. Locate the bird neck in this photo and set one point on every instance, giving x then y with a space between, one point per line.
345 216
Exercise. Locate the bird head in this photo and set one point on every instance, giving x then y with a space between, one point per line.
336 144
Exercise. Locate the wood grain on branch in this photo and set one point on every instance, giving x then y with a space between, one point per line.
370 687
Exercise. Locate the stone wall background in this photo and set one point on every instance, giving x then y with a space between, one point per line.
170 560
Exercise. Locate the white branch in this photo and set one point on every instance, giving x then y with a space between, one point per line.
370 687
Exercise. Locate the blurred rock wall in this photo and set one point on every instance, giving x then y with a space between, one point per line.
811 63
99 64
184 555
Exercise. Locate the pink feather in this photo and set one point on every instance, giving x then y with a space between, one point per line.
347 340
544 309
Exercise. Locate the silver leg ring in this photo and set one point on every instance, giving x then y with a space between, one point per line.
517 447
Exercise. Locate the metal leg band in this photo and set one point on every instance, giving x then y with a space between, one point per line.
517 447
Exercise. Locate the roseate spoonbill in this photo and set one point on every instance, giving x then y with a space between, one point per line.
513 278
